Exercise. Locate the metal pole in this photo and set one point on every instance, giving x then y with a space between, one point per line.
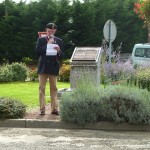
109 43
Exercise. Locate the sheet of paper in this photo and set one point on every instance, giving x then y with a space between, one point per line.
50 51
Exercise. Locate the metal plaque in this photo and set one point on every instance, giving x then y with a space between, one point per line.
85 53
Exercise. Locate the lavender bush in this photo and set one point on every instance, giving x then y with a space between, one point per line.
117 70
91 104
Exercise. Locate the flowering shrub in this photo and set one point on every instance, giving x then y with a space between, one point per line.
64 74
117 70
142 8
33 75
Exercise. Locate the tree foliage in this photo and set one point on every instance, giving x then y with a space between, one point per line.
79 24
142 8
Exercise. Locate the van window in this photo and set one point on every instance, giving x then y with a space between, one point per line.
147 52
142 52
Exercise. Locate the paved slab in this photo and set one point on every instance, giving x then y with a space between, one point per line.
58 139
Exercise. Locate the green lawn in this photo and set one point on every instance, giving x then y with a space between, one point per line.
27 92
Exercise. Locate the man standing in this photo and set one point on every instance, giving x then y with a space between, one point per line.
48 66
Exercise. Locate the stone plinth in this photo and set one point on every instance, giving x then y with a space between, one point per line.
85 61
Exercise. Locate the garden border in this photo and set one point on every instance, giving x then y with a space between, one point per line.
36 123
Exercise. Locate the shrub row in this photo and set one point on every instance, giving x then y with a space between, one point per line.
20 72
120 104
13 72
64 73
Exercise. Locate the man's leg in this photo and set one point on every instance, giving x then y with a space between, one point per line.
42 85
53 93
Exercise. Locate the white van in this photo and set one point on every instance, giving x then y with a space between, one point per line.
141 54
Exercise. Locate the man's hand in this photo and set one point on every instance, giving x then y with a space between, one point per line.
57 48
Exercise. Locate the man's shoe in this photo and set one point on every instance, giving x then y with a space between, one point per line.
42 112
55 112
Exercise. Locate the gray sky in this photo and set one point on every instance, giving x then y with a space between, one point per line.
27 1
19 1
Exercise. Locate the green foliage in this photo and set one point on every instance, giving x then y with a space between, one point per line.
6 75
19 71
141 78
80 106
27 60
27 92
116 72
11 109
124 104
79 24
67 61
120 104
13 72
119 71
33 75
64 74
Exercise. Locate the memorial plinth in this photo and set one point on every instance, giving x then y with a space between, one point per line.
85 61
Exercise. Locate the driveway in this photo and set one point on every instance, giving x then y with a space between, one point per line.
59 139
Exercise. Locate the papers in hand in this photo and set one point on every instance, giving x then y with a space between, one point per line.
50 51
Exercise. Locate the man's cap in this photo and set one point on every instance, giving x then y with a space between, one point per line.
51 26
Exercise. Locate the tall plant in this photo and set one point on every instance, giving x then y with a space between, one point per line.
142 8
119 70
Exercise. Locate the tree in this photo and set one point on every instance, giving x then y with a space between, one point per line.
79 24
142 8
83 24
62 19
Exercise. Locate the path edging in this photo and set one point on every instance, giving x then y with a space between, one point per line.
35 123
